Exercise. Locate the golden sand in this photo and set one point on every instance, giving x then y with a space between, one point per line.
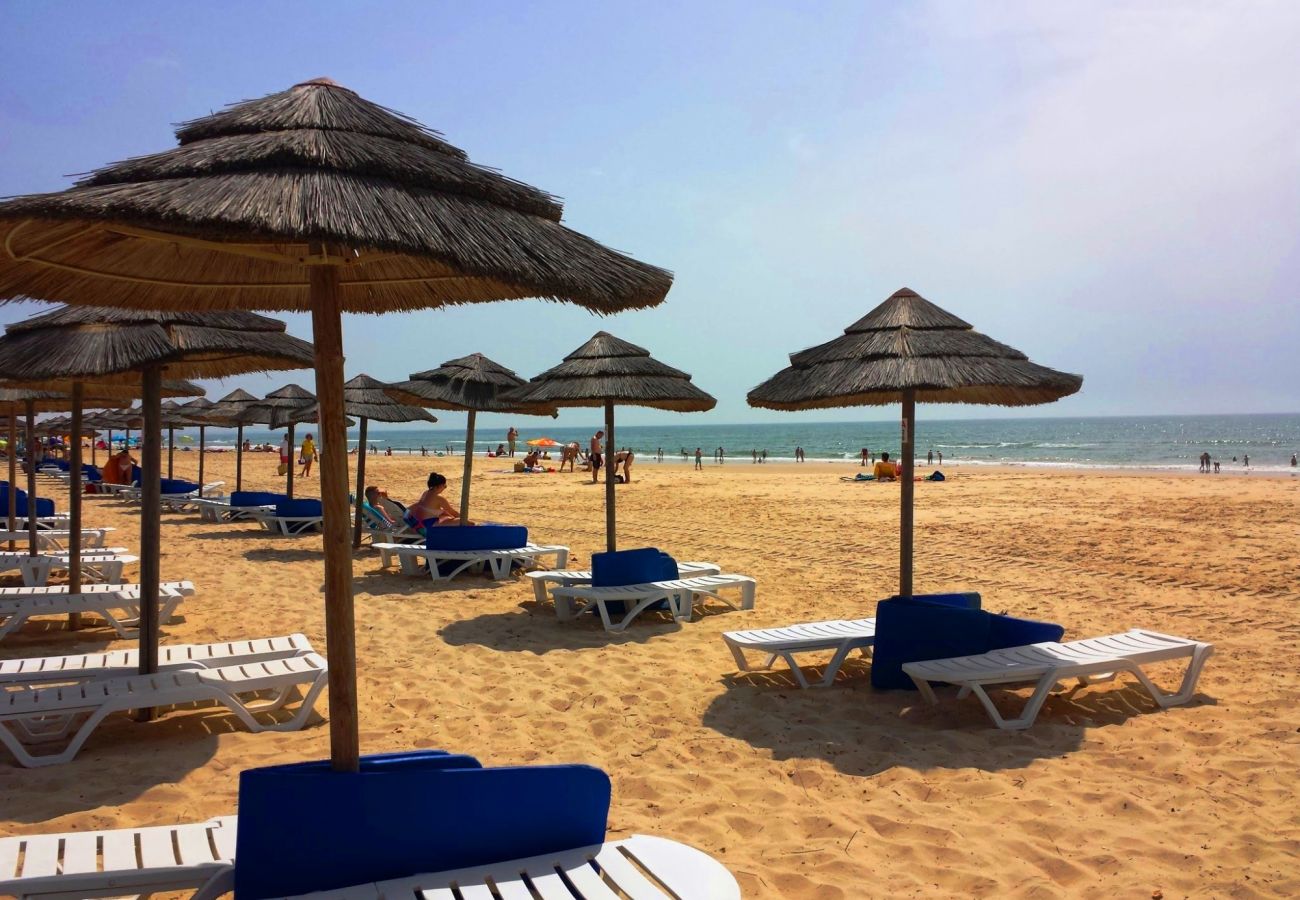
842 792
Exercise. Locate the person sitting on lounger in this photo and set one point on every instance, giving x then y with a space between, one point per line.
118 468
885 470
433 505
373 504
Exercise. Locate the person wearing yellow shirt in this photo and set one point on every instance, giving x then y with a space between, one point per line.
885 470
307 455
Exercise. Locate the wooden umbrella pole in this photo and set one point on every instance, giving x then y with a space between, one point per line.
150 498
201 439
469 466
361 482
907 494
13 478
340 639
171 453
611 541
31 478
289 471
74 503
239 458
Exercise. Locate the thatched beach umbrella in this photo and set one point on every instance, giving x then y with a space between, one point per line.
193 412
311 199
13 403
129 350
369 398
173 418
472 384
909 350
606 371
235 410
280 407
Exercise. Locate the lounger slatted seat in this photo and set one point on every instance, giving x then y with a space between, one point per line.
639 868
219 509
194 857
117 604
840 635
379 530
289 526
47 717
201 857
1047 664
101 564
183 501
170 656
544 581
498 562
681 595
57 538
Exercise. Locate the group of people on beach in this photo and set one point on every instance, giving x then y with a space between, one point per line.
431 509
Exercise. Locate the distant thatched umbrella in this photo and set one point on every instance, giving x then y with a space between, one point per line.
311 198
173 417
473 384
194 411
369 398
14 402
128 351
605 371
235 410
907 349
281 405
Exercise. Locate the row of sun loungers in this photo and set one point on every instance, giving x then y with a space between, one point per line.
117 604
57 538
99 564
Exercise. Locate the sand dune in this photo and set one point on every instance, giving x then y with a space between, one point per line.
844 792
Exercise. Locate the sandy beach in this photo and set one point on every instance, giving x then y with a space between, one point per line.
843 792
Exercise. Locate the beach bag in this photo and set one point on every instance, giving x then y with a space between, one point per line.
282 468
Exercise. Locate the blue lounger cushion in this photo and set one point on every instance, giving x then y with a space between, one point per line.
939 626
412 813
298 509
256 498
639 566
44 506
178 486
485 536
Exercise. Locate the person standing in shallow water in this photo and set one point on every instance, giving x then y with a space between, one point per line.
929 458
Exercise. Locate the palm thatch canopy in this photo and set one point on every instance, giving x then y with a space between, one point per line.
609 370
369 398
112 345
255 193
908 343
237 408
471 382
13 401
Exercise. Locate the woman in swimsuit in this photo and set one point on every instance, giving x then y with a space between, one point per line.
433 505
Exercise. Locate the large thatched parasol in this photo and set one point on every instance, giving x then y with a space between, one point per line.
472 384
194 414
280 406
369 398
605 371
13 403
235 410
128 351
907 349
311 198
174 416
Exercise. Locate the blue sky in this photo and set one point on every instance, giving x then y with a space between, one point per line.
1112 187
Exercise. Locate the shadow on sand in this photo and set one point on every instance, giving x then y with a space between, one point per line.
534 629
863 731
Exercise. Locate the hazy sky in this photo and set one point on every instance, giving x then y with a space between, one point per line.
1113 188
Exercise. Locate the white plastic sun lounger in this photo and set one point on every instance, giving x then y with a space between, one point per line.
498 562
79 666
117 604
841 635
379 530
218 509
681 595
544 581
194 857
181 502
1049 663
101 564
201 856
57 538
50 715
640 867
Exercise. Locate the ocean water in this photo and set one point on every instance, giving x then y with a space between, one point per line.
1158 442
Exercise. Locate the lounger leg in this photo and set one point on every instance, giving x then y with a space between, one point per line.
12 623
539 590
1036 701
927 692
741 663
797 672
1188 686
833 667
49 759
